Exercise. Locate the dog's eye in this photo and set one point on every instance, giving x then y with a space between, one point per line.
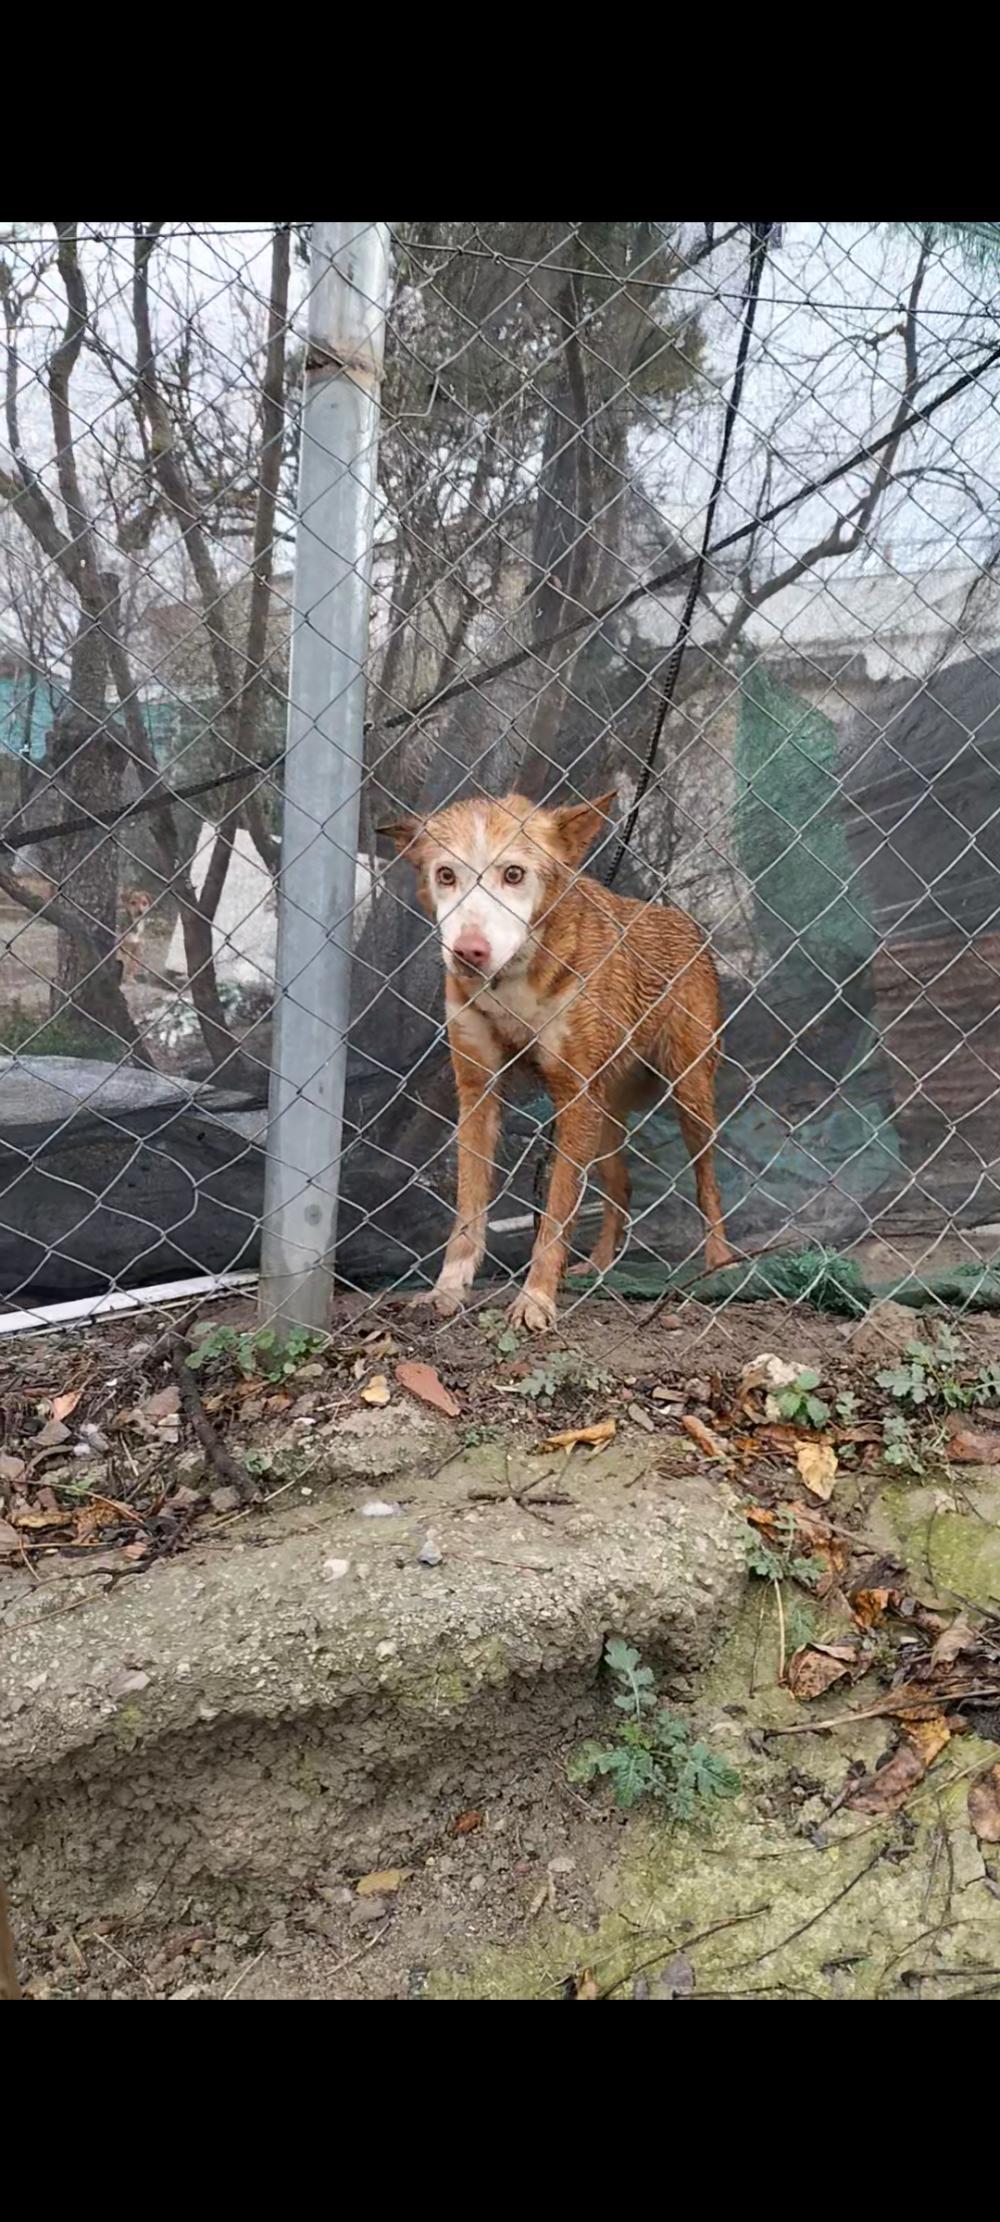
513 875
445 876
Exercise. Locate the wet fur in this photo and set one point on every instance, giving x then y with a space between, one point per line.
613 1003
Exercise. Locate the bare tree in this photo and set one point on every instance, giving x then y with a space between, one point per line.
166 479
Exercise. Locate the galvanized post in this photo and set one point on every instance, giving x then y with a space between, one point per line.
323 768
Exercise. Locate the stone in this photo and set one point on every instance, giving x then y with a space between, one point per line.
884 1333
288 1712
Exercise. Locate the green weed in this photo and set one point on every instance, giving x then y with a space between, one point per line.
655 1754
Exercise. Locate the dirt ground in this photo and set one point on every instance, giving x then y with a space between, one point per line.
542 1890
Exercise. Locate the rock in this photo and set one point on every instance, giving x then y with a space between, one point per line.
676 1980
641 1417
377 1509
190 1466
11 1469
769 1372
884 1333
367 1910
182 1499
429 1555
335 1703
224 1500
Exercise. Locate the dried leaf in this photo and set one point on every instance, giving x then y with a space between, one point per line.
586 1986
817 1464
465 1823
984 1805
376 1391
868 1606
703 1436
160 1406
600 1432
27 1517
63 1405
544 1896
9 1539
425 1382
99 1512
780 1436
973 1446
49 1436
961 1636
817 1666
888 1789
384 1882
12 1470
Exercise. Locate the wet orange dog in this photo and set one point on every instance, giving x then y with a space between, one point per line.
613 1003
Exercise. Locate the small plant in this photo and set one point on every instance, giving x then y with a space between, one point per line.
988 1385
899 1445
846 1408
257 1351
558 1370
926 1374
655 1754
496 1327
778 1561
800 1625
799 1402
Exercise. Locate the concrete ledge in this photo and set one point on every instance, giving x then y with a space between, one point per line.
297 1701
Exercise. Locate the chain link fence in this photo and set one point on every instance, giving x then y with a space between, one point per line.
706 516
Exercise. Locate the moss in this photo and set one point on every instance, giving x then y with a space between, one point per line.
772 1896
950 1534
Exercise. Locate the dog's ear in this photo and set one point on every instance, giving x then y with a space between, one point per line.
578 824
405 833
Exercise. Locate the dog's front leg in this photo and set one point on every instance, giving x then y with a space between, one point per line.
478 1130
579 1127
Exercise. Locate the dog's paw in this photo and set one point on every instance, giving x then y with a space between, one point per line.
534 1310
446 1301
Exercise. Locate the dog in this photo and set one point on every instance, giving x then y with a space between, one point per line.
613 1004
135 905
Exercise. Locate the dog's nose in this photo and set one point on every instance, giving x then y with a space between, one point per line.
472 948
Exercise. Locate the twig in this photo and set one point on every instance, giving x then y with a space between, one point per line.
676 1944
241 1977
231 1472
756 1648
890 1708
781 1631
92 1937
339 1965
9 1985
794 1934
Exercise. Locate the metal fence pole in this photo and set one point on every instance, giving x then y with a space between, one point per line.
349 281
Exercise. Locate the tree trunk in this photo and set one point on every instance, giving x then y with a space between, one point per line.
85 760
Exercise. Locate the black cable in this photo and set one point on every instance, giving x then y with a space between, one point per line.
759 237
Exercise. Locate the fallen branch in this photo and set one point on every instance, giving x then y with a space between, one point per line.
891 1708
228 1468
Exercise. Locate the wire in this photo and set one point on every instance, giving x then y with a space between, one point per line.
759 236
